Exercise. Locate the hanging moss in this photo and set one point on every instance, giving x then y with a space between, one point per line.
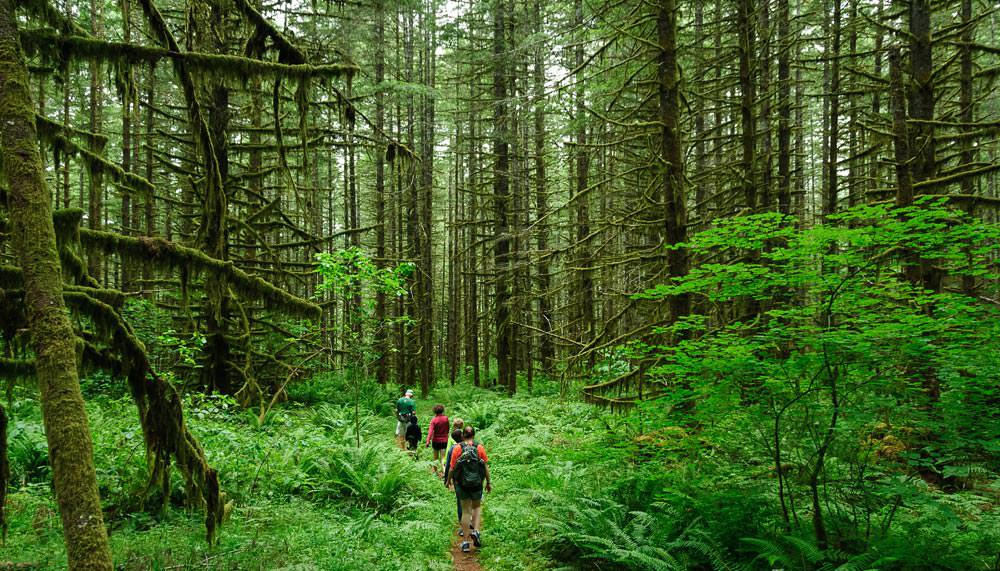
111 297
67 222
395 149
56 18
49 129
13 369
160 413
51 46
98 164
601 393
10 278
162 253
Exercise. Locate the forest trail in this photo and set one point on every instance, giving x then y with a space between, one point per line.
461 561
464 561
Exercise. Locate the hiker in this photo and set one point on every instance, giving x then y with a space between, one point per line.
437 436
469 471
456 436
412 435
405 408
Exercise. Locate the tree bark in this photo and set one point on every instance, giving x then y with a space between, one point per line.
672 181
546 346
784 110
52 339
584 258
501 202
747 97
830 198
381 333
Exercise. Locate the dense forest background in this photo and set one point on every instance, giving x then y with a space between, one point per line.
717 282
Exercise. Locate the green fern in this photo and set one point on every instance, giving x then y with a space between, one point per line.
603 533
792 552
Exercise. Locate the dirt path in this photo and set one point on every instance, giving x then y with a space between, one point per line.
464 561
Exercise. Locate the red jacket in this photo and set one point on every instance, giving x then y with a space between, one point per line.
438 431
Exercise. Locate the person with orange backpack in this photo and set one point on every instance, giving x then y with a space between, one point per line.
469 472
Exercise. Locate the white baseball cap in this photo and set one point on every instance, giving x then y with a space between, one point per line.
409 392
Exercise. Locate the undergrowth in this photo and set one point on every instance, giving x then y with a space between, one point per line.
575 488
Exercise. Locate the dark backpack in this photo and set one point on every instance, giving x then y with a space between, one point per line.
470 470
413 432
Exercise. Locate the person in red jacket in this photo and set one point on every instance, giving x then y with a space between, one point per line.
437 435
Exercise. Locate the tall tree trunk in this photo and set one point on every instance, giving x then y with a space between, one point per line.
830 197
472 266
381 332
671 152
921 109
65 123
767 171
921 103
126 202
584 258
967 116
784 110
452 258
33 235
149 209
95 195
546 345
501 202
425 194
411 212
747 97
874 166
700 134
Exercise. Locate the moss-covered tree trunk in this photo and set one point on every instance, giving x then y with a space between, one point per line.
66 428
4 475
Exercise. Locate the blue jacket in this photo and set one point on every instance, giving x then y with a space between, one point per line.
447 461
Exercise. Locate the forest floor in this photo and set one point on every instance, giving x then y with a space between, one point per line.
305 497
573 486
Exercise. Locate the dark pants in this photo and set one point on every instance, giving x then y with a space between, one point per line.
458 500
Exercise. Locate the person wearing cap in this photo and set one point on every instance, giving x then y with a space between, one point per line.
405 408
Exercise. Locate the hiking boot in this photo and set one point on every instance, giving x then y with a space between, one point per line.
475 538
460 532
465 547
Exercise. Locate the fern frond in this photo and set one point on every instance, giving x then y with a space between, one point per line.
807 549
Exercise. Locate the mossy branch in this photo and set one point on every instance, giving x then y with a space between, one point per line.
52 45
12 279
160 412
54 134
16 368
48 13
161 252
598 393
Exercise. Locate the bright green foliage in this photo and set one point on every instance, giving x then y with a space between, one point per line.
851 382
350 274
351 271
